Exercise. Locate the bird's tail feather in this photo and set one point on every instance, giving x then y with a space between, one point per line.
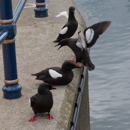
33 74
39 73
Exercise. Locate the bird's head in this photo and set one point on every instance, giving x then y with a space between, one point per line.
68 65
72 9
44 87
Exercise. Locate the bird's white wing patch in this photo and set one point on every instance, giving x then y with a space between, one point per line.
64 30
54 74
81 41
79 45
89 35
81 36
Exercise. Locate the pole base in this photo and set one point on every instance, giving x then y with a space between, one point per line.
12 91
41 12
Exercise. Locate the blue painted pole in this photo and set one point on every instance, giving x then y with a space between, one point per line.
41 9
11 89
5 9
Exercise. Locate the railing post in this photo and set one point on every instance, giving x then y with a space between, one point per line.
11 89
41 9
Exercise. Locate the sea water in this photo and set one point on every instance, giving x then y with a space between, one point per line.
109 83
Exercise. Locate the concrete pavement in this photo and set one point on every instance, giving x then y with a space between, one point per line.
35 51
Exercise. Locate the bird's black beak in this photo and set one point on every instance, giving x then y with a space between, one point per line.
58 45
78 66
52 88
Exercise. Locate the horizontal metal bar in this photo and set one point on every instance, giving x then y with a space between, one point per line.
18 9
3 34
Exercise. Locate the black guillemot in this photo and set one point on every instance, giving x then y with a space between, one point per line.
42 101
57 75
70 27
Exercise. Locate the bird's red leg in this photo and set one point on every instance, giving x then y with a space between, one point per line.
80 65
70 60
33 118
75 62
49 116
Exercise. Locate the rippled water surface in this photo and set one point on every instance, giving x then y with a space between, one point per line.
109 83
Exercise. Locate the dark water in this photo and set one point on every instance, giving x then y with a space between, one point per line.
109 83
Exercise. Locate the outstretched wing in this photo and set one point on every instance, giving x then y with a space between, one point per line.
92 33
101 27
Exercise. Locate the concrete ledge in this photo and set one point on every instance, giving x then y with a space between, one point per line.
35 52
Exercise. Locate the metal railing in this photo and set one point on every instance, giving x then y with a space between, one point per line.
8 21
79 99
8 32
41 10
18 9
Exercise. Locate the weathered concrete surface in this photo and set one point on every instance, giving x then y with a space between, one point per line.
35 52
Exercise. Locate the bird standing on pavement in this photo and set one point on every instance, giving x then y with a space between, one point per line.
70 27
42 101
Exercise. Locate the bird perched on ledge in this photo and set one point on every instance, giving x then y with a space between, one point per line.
57 76
85 40
78 46
42 101
70 27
